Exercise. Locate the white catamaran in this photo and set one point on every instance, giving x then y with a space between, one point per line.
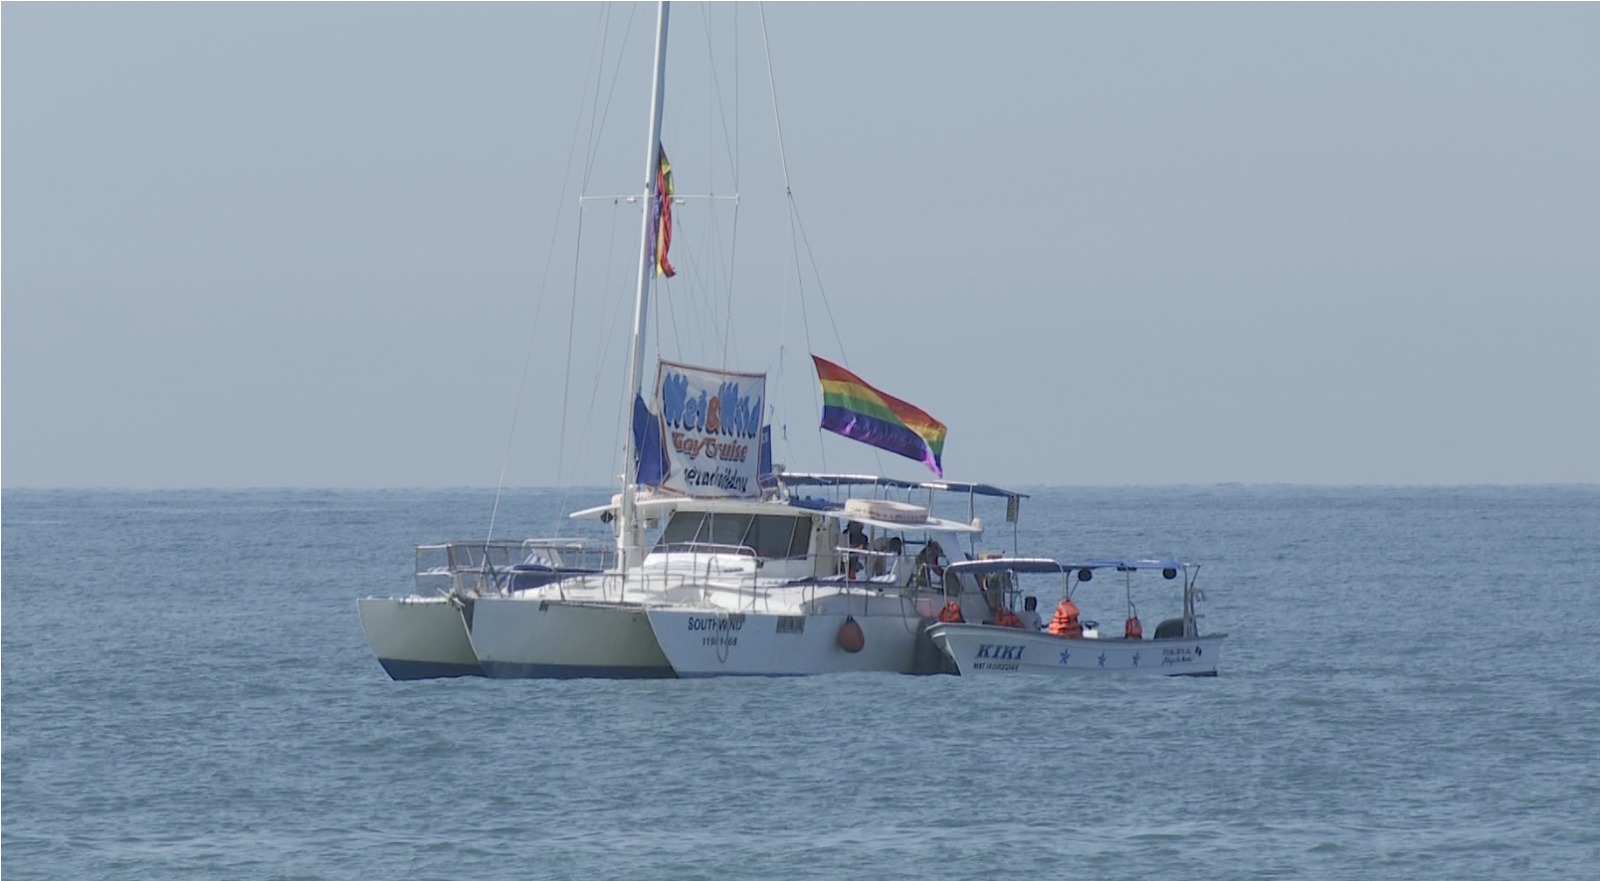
747 577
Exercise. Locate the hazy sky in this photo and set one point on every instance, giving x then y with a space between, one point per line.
315 245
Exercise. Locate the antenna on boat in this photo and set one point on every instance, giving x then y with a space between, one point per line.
630 534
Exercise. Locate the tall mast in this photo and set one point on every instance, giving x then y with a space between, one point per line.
630 534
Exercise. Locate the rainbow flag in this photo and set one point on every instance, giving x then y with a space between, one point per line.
663 213
860 412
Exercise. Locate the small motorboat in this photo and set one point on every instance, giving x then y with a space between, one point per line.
990 637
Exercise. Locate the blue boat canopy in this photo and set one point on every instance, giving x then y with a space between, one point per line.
1047 565
797 478
1134 565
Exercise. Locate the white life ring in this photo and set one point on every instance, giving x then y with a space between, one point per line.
886 511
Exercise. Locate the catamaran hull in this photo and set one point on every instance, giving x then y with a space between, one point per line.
981 649
702 643
520 638
418 637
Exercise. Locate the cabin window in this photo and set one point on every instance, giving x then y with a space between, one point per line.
771 536
776 537
682 529
728 529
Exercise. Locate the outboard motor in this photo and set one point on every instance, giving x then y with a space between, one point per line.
1172 628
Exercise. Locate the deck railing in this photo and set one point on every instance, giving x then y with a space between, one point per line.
477 566
727 575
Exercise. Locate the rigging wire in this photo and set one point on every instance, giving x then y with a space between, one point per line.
701 296
714 84
618 306
797 224
566 378
597 116
828 307
533 329
788 192
597 129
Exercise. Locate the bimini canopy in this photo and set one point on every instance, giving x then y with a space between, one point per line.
930 524
1135 565
796 478
1047 565
1009 564
663 504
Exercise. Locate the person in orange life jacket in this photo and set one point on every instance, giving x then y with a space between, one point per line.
1065 623
1030 614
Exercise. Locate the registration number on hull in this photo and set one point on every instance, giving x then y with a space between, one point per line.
998 657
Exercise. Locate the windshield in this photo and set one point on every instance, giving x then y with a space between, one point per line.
771 536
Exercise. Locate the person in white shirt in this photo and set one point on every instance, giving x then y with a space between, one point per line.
1030 614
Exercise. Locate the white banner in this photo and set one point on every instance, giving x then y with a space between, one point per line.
711 425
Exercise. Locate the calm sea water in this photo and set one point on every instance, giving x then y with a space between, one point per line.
1411 689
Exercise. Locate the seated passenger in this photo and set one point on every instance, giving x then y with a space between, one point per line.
1030 614
1065 623
891 549
929 570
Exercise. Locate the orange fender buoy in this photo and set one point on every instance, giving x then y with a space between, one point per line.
1133 629
851 638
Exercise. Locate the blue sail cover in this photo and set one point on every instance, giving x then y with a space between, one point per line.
648 446
764 456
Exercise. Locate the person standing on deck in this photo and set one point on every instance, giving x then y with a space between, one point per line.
855 539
